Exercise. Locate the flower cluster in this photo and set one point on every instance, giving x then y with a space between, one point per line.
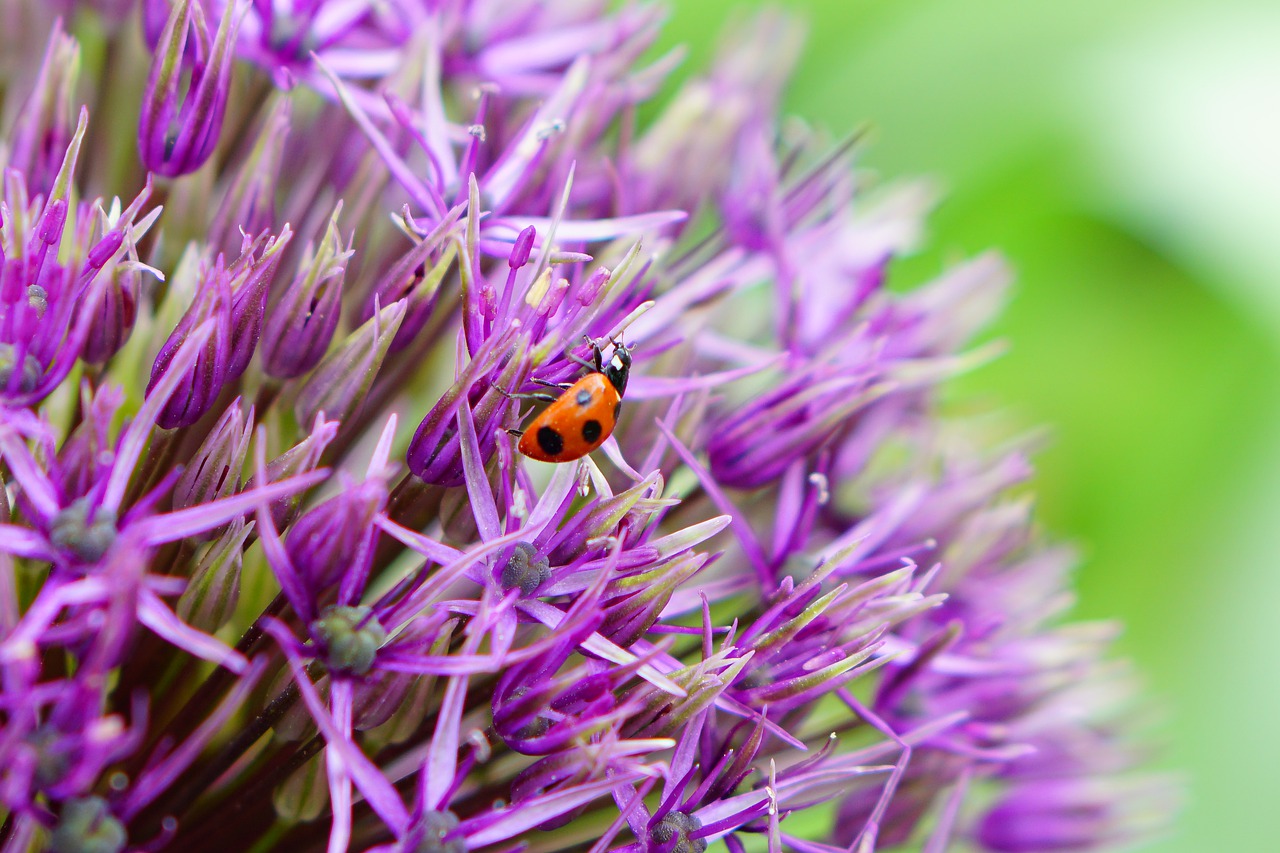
273 573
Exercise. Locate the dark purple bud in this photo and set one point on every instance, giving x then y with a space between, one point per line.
176 138
86 825
214 472
251 276
113 298
117 313
381 696
435 452
335 537
349 638
199 388
301 325
415 277
532 725
543 777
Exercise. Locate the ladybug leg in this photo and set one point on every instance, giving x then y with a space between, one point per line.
577 359
515 432
597 363
521 395
545 384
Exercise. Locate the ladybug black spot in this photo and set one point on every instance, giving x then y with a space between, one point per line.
551 442
591 431
583 398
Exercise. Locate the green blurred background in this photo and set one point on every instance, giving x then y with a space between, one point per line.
1125 156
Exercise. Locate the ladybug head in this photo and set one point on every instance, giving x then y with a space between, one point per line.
618 368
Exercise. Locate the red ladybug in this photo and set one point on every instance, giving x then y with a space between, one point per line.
581 418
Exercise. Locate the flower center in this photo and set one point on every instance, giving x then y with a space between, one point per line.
435 826
535 728
87 537
527 569
32 370
38 299
671 834
86 826
52 763
351 637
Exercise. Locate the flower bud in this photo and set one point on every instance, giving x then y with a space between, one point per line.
301 325
199 389
754 443
86 457
251 276
117 314
43 128
329 540
214 471
299 459
15 380
435 452
342 381
111 307
210 599
248 206
415 279
173 138
304 795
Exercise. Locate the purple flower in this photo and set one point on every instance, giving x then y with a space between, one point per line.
52 277
273 574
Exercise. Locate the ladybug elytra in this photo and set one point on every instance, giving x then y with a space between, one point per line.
584 415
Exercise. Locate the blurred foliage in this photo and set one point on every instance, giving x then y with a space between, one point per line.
1161 390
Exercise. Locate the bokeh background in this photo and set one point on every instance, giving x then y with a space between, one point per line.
1125 156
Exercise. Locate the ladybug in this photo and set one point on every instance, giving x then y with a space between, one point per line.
584 415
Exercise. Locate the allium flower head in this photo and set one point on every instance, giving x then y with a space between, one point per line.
273 573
